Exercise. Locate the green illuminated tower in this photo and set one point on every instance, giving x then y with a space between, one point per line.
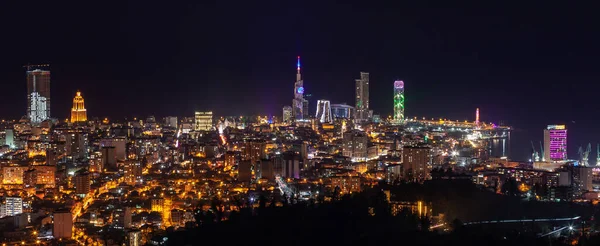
398 102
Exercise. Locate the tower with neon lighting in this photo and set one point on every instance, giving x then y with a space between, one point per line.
398 102
555 143
299 104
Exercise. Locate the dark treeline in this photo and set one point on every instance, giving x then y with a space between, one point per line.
463 200
360 219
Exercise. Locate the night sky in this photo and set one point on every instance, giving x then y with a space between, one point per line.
525 65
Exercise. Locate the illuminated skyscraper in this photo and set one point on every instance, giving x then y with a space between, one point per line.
362 97
324 111
398 101
203 121
38 93
299 104
555 143
78 112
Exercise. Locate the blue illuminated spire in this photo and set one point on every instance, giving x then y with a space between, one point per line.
298 76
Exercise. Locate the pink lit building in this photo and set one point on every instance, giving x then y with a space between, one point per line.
555 143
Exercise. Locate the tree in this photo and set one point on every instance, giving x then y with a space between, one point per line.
336 193
262 201
456 225
510 187
425 223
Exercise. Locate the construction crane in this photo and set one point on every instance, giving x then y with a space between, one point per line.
584 155
535 156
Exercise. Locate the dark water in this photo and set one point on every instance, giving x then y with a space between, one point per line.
500 147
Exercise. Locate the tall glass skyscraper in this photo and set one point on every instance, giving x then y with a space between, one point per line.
362 97
38 93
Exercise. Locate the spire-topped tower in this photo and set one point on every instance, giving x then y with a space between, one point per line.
298 76
299 104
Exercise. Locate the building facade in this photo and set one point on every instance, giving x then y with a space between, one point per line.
416 163
287 114
11 206
342 111
203 121
555 143
171 121
354 145
63 224
119 144
348 183
291 165
82 183
132 172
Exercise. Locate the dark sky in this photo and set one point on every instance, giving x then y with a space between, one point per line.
528 65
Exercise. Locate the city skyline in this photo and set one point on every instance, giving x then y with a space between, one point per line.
305 111
187 123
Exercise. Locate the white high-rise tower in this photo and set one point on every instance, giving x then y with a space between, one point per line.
38 93
324 111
